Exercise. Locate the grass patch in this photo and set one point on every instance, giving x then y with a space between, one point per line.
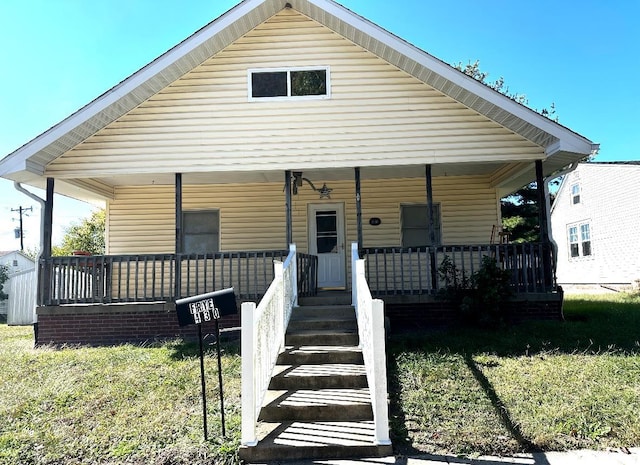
124 404
535 386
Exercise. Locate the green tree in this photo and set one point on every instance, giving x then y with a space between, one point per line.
520 209
4 277
473 70
86 236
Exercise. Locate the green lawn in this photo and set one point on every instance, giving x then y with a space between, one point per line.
535 386
547 386
111 405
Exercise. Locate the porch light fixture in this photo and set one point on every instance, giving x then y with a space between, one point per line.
297 179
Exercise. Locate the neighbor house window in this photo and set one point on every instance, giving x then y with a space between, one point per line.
575 194
307 83
580 240
201 232
415 226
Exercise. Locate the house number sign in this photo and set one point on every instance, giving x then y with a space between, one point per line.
202 308
206 307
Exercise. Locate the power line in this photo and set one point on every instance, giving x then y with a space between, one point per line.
20 230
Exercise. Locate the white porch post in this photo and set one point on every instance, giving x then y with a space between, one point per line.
294 272
248 373
381 408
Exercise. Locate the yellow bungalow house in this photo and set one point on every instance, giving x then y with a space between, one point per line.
284 123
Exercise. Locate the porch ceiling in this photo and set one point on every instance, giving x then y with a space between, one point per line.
315 175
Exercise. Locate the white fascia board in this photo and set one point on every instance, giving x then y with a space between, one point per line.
568 138
563 145
137 79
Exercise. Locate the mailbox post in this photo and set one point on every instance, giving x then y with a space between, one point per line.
202 308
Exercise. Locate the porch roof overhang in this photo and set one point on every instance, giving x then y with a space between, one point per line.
28 164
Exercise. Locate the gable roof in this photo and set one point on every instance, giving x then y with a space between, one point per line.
562 146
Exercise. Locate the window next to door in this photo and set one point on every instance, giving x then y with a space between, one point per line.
201 231
415 226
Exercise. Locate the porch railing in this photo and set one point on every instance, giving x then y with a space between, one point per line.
263 332
413 270
370 315
152 277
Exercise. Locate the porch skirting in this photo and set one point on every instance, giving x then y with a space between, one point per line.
115 324
423 312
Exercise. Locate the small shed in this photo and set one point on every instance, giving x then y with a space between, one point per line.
19 308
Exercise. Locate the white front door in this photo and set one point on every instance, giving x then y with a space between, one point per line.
326 240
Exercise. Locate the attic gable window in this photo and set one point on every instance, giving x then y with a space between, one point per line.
575 194
290 83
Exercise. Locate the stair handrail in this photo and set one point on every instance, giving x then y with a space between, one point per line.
262 339
370 316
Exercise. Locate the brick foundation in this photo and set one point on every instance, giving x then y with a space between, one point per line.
427 311
113 324
137 323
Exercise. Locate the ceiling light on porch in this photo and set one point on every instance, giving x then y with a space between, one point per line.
296 182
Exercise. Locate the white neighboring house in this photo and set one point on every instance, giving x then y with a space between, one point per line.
595 219
18 309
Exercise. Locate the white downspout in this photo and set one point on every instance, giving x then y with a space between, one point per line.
34 197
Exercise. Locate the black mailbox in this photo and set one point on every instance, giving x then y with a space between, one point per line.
206 307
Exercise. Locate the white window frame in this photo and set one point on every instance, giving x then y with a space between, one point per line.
576 192
576 236
326 69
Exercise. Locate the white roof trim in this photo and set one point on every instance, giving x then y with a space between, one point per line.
36 154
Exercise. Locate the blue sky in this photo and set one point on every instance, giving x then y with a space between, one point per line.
581 55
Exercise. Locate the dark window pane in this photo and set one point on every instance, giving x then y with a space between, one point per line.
201 232
200 222
327 244
415 228
312 82
586 248
415 237
326 224
269 84
576 199
574 250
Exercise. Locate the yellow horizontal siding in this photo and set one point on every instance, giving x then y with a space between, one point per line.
252 216
377 115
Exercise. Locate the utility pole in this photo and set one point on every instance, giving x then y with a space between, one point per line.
20 211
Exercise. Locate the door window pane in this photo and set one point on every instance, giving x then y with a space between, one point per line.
327 231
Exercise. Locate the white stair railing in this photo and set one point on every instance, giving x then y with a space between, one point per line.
370 315
263 332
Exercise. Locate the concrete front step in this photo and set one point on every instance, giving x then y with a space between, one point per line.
328 298
317 355
323 311
323 323
317 405
325 337
324 376
314 440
